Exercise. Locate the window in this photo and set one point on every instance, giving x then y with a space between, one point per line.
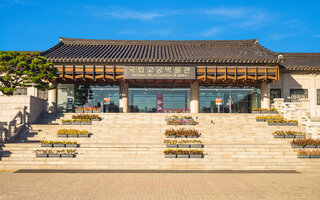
297 94
318 96
275 93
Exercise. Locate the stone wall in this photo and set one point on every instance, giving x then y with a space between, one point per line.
11 105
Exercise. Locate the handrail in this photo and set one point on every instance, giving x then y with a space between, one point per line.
11 133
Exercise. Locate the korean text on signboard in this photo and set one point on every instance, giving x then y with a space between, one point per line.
159 72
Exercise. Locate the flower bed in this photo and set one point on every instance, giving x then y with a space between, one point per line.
288 134
282 122
181 120
182 133
72 133
268 117
183 143
183 153
265 110
177 110
71 144
304 153
92 117
305 143
44 153
88 109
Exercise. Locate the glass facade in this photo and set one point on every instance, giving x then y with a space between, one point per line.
87 95
145 100
234 100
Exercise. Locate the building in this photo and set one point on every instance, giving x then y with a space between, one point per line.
156 76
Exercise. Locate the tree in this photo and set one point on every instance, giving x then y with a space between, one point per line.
25 69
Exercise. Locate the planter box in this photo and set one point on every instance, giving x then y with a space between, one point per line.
170 136
54 155
86 123
196 146
58 145
95 119
183 136
84 136
46 145
289 136
278 136
196 156
293 124
272 124
300 136
72 145
183 145
96 111
87 111
67 155
66 123
170 156
41 155
296 146
303 156
273 112
310 146
256 112
64 135
260 120
315 156
79 111
171 145
283 124
183 156
72 135
76 123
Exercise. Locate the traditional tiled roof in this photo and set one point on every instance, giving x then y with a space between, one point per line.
301 61
152 51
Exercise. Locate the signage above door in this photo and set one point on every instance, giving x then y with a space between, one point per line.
159 72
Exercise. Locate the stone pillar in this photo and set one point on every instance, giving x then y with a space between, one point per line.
265 95
123 97
278 103
194 97
32 91
52 100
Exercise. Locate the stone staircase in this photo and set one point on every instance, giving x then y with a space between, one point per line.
135 141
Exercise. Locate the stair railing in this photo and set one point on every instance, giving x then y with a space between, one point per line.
15 126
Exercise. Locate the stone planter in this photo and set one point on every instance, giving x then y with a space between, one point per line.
171 145
46 145
170 156
196 145
183 145
86 123
87 111
95 119
260 120
84 135
265 112
296 146
273 112
73 136
300 136
41 155
66 123
170 136
71 145
278 136
58 145
315 156
54 155
303 156
289 136
272 124
64 135
96 111
196 156
183 136
67 155
256 112
310 146
76 123
79 111
183 156
293 124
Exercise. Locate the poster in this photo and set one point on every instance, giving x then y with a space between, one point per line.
159 103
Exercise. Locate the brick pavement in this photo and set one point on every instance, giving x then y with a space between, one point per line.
111 185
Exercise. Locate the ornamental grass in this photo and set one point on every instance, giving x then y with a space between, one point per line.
270 117
308 152
183 151
289 133
182 132
57 142
305 141
55 151
72 132
182 141
265 109
85 116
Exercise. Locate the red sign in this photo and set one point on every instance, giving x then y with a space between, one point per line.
106 100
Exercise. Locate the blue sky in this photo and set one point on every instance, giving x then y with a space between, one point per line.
282 26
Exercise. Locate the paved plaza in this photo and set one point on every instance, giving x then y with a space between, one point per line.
91 185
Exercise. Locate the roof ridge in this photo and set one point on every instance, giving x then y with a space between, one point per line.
160 42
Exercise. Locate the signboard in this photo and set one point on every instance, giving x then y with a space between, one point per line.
159 103
106 100
159 72
218 101
69 103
